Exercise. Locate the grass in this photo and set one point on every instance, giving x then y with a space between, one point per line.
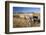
23 22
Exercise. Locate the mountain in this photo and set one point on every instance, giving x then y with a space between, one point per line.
23 12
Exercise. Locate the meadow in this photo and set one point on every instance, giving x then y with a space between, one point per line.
24 21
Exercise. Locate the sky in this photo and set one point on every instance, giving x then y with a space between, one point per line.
26 9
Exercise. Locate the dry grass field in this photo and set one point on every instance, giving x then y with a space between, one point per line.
23 22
